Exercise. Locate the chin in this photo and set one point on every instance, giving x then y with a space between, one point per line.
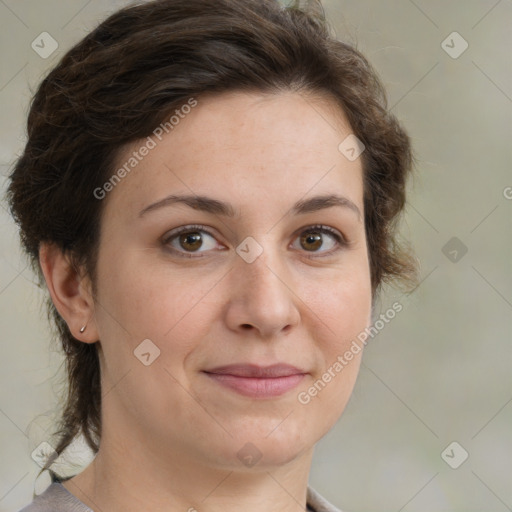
255 452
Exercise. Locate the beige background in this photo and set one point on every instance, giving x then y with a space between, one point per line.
441 370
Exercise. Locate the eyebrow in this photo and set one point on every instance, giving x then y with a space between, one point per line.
216 207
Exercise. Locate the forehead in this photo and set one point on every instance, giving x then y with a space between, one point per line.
262 147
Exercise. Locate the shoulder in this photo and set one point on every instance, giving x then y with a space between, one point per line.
56 498
318 503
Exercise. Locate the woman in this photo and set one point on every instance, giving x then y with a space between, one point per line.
210 192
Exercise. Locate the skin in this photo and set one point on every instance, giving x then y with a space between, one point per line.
170 434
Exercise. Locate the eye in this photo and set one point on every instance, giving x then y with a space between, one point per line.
313 238
187 240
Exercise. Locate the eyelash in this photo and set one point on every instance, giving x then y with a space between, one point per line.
340 239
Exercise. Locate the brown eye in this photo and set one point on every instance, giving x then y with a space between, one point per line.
316 238
188 240
311 241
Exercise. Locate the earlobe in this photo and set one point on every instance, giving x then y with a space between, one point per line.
71 297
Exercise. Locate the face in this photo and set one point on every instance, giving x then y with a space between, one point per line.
254 274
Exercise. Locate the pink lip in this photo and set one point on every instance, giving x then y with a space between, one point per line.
258 381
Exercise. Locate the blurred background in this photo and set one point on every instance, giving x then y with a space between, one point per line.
429 425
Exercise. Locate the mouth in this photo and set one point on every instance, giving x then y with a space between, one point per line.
257 381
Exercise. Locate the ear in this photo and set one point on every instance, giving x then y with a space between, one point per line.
71 293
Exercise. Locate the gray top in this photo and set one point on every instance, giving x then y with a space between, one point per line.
56 498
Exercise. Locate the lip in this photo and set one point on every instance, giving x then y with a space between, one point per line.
257 381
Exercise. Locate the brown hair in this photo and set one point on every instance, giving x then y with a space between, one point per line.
131 73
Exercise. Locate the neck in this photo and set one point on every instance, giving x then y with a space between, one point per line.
130 476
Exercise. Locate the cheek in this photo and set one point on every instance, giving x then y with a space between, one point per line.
134 292
342 301
140 300
348 307
343 313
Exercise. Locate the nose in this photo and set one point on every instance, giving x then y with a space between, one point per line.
261 298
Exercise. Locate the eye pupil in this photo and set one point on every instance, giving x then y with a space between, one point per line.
312 238
191 241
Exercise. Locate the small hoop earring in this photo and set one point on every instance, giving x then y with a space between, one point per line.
83 328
